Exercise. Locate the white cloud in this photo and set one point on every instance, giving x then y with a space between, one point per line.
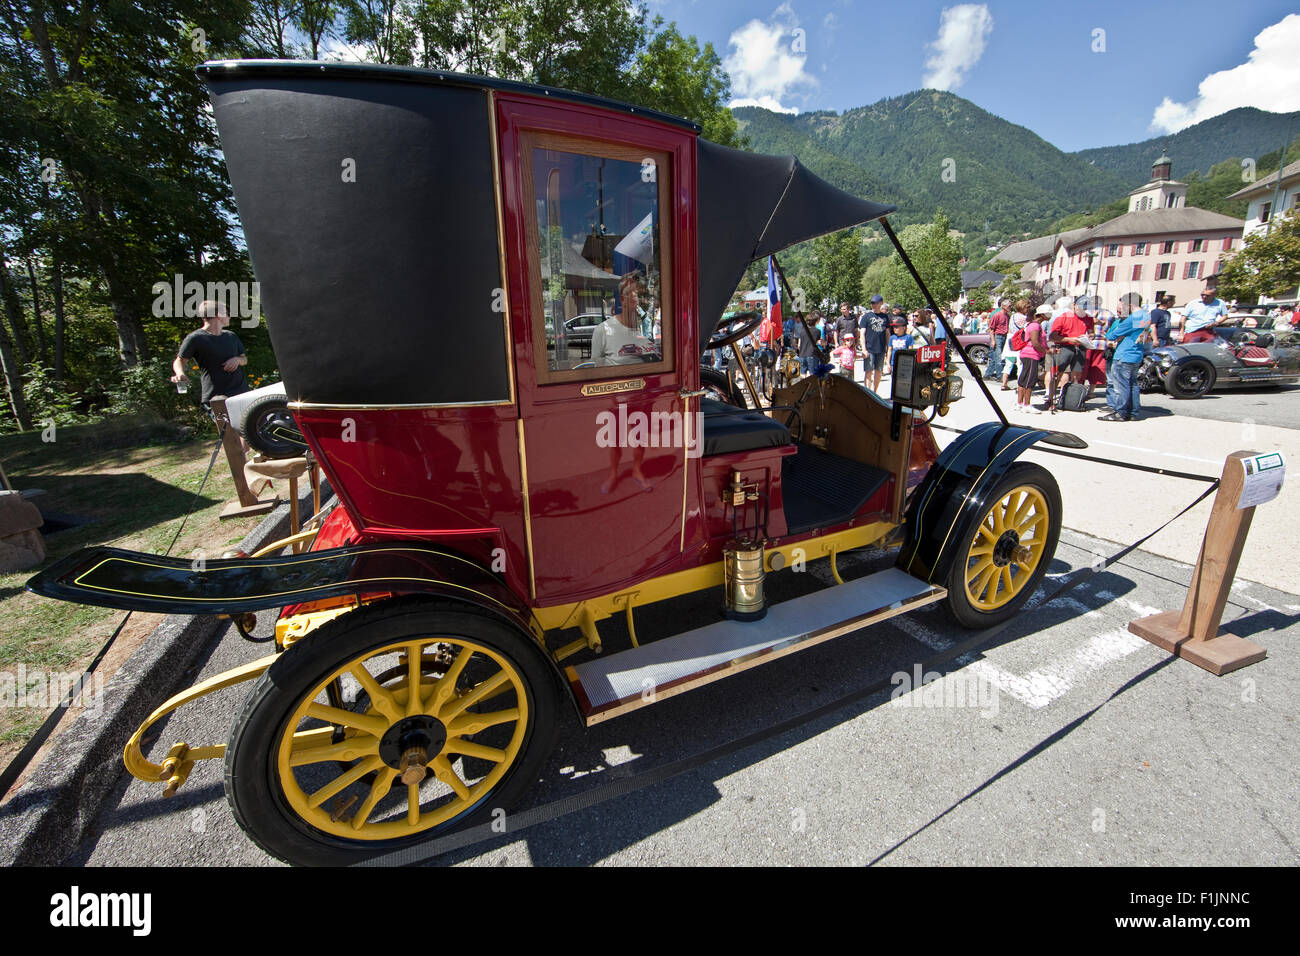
963 31
767 102
1268 80
767 60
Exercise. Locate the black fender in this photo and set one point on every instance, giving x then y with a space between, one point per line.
134 581
955 491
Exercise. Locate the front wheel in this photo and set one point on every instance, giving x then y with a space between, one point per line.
1189 380
1005 551
389 726
979 354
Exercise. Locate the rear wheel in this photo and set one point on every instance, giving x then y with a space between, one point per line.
1005 552
979 354
446 716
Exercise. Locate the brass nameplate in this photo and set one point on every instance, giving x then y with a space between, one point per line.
605 388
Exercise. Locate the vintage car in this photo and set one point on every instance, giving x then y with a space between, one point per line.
1237 358
500 496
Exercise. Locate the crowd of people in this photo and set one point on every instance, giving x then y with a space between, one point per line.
1063 350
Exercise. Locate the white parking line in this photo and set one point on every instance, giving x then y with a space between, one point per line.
1043 685
1154 451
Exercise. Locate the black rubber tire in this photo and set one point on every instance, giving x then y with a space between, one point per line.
1177 384
252 783
722 386
268 426
979 354
958 604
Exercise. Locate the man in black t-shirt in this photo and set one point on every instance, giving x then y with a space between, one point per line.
219 353
875 341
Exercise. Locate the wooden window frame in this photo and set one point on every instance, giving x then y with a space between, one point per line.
530 139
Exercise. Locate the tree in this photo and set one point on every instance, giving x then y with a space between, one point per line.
836 268
1266 265
873 279
981 298
937 258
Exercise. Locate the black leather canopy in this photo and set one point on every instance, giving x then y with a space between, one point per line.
752 205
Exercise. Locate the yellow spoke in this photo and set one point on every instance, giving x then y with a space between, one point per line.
991 588
1006 576
978 588
487 689
1022 512
985 532
471 749
413 662
982 549
380 699
383 783
370 724
349 749
998 514
1030 523
445 689
467 724
413 804
344 780
443 770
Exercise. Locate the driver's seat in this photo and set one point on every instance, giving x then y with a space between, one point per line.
729 429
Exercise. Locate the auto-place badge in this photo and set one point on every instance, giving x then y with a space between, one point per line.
604 388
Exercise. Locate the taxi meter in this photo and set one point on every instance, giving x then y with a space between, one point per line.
921 379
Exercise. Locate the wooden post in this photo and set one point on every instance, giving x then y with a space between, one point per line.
249 503
1193 634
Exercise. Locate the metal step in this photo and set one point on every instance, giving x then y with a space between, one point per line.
610 686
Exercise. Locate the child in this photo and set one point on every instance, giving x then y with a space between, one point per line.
846 356
898 339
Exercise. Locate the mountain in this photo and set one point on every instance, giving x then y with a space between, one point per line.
1245 131
931 149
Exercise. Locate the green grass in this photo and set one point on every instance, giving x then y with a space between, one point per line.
135 482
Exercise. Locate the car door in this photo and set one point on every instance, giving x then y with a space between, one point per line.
608 436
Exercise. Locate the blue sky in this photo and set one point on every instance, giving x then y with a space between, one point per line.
1077 74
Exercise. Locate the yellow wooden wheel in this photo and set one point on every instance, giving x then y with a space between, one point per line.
396 726
1004 551
1007 547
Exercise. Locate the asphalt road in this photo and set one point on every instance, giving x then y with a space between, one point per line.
1086 746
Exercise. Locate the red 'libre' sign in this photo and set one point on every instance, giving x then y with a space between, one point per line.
930 353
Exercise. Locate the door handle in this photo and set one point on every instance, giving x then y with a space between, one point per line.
687 393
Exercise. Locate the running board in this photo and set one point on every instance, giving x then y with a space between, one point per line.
629 680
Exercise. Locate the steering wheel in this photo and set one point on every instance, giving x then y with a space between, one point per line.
734 329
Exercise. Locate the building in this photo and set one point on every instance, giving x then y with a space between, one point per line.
1161 246
1265 198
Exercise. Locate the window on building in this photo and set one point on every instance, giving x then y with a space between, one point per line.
1198 245
1218 266
1112 249
1192 270
1168 247
1140 249
1110 273
1265 211
1078 277
1227 244
1162 271
1137 274
1171 201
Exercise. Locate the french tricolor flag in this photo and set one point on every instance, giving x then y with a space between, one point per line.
773 302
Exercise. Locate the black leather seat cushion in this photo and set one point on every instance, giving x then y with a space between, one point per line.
730 429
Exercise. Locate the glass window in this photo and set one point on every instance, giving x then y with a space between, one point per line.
602 269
